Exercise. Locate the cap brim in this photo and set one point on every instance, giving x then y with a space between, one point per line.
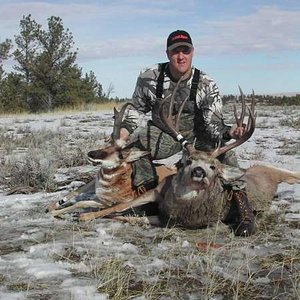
172 47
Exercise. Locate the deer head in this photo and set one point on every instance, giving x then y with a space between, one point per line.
197 169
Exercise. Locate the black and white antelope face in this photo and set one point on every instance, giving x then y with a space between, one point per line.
114 154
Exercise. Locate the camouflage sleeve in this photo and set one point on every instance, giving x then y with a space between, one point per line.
142 98
210 122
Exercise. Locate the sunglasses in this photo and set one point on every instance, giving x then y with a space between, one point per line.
184 49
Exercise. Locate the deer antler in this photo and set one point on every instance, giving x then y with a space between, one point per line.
239 120
168 120
249 128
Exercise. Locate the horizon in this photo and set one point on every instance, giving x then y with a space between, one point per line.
253 45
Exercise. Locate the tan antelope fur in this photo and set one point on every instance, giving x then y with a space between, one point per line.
194 196
112 184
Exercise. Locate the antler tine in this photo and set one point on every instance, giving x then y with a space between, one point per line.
167 120
179 113
251 111
253 102
190 148
249 129
239 120
118 116
173 96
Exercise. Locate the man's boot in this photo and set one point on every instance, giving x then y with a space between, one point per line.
245 225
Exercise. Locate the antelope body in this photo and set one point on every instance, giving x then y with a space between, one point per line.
112 185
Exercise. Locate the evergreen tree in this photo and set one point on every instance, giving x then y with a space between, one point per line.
55 62
46 74
4 54
11 93
25 54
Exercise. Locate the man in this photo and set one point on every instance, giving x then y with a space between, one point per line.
201 120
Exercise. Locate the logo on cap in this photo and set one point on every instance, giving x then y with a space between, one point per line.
180 36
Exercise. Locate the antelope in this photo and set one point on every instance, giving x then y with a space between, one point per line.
112 184
194 196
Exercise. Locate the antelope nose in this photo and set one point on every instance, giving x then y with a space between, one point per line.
198 172
96 154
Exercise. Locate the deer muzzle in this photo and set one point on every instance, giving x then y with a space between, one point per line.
199 177
198 174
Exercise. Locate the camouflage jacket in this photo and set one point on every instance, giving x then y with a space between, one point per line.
203 117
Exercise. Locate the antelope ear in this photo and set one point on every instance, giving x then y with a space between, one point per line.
134 154
230 173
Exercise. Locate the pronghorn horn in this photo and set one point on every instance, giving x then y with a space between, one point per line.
118 117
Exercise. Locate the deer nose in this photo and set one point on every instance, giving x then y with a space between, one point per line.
198 172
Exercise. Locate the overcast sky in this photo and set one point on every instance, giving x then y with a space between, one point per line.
251 43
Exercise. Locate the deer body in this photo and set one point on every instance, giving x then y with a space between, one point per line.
262 183
202 201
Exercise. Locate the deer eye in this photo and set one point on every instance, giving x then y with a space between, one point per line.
120 155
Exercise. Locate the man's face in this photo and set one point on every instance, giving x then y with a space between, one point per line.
180 59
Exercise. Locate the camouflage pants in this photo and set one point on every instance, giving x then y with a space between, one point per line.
161 145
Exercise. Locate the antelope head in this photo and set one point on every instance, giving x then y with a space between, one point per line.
199 170
115 153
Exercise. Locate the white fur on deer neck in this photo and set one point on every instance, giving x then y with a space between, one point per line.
187 196
190 192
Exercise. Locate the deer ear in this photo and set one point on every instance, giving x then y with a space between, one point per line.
134 154
230 173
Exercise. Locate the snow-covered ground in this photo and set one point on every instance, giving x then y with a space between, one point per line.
47 258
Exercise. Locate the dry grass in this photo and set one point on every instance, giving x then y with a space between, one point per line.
289 147
91 107
290 121
230 272
29 175
30 159
79 108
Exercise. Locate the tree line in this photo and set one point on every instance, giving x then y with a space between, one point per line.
45 75
269 99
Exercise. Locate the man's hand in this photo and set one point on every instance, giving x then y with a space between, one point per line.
236 132
124 134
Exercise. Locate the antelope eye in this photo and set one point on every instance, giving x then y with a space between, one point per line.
188 162
212 167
